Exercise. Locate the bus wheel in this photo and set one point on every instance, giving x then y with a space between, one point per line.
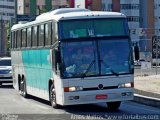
113 106
52 96
23 90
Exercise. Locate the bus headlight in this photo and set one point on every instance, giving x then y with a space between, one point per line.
73 89
126 85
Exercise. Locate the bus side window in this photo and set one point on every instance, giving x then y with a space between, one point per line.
24 36
29 37
15 40
19 39
12 39
54 33
47 34
34 36
41 36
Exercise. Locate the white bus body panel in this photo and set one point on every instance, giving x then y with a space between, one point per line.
89 96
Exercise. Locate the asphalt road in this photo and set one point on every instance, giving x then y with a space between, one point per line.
12 105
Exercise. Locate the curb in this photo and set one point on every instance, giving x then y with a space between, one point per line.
147 98
145 93
155 102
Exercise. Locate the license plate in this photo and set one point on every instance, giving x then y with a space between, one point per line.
101 96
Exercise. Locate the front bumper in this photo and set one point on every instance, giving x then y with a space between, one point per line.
87 97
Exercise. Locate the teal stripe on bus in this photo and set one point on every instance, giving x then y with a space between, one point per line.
38 68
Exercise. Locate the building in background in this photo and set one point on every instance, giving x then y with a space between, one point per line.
143 18
147 27
7 12
143 15
36 7
89 4
156 8
130 8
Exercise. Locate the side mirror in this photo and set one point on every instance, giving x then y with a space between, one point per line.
136 52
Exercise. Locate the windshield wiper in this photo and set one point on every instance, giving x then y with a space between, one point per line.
107 66
87 70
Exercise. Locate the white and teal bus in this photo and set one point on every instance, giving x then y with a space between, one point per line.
64 56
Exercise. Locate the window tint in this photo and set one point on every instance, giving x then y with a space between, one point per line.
54 33
12 40
91 27
38 35
48 32
41 35
34 36
24 35
19 39
29 37
15 40
106 27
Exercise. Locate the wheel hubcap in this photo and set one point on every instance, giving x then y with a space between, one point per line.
22 86
53 96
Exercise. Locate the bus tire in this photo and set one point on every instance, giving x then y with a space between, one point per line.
52 97
23 89
113 106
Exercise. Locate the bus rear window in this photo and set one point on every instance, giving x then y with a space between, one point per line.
93 28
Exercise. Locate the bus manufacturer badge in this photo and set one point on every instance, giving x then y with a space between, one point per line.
100 87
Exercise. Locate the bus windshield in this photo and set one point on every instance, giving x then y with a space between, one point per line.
78 57
93 28
95 58
115 56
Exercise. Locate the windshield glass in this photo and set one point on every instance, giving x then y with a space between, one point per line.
115 57
93 28
79 58
96 58
5 62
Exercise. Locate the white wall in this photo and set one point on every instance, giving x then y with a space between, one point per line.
20 7
79 4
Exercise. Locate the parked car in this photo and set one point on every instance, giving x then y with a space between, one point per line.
138 63
5 70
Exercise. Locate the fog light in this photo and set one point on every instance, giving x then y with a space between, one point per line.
73 97
126 94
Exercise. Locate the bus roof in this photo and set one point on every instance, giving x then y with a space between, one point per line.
69 13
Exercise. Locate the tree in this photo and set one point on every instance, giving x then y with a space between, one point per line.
8 36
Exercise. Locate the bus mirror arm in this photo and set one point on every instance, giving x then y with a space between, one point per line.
57 60
57 56
136 52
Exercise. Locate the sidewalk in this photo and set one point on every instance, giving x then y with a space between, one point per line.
147 90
